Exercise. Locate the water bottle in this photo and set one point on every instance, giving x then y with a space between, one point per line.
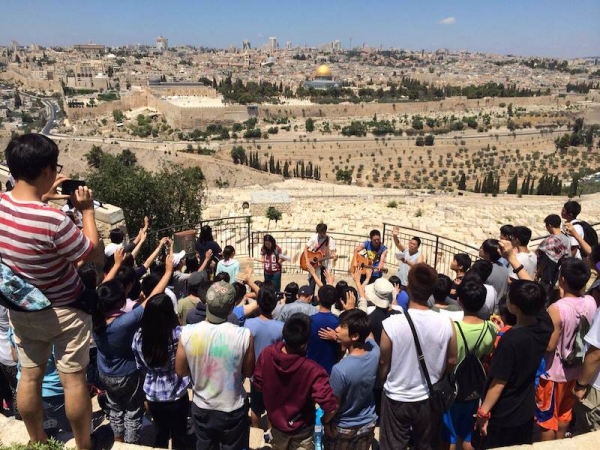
318 430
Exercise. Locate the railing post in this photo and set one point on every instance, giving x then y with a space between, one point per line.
435 256
249 236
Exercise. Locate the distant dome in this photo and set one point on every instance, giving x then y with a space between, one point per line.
323 72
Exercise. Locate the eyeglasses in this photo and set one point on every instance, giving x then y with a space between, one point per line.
59 168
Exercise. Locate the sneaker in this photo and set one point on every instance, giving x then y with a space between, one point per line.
267 436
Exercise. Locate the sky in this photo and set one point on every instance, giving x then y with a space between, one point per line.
549 28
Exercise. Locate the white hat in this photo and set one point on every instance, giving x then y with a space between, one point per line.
380 293
177 257
110 249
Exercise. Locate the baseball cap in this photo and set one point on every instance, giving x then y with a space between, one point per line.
220 299
197 278
380 293
305 291
177 257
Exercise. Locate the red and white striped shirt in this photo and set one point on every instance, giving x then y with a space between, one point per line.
41 245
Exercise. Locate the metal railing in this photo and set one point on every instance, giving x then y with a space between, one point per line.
595 226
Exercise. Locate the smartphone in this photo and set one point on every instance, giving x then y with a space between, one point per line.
70 186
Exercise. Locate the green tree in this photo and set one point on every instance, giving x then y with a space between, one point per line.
238 154
462 184
94 157
573 189
310 125
171 196
127 158
429 140
18 102
118 115
272 213
512 185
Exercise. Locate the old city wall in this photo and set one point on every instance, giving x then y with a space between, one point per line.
188 118
369 109
136 100
28 82
201 91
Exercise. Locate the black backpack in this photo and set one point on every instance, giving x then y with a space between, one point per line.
469 373
589 235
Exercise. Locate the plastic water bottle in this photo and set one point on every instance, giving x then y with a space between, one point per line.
318 430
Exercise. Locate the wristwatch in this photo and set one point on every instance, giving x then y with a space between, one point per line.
578 385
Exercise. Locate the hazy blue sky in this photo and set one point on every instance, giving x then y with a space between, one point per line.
522 27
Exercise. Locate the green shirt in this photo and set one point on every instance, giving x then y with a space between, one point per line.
472 333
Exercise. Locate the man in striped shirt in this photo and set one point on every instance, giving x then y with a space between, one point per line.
42 246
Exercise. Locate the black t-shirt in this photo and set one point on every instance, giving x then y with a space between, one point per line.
203 247
375 321
516 361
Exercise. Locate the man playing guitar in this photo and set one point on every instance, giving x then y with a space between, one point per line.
320 242
375 252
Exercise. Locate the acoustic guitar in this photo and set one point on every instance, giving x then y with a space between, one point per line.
364 263
315 259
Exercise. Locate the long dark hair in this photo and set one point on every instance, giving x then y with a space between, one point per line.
158 322
111 296
271 239
205 234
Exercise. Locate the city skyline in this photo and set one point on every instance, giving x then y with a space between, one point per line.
534 28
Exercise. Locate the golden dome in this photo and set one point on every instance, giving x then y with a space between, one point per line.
323 71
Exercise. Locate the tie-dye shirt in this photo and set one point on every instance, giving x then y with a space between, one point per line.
215 354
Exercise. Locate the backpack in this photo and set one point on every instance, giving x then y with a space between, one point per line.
577 347
469 373
589 235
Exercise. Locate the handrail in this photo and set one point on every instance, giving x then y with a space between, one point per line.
595 226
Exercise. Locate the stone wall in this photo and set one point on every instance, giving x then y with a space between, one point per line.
369 109
133 101
28 82
167 91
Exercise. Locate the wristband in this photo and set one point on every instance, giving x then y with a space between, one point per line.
482 415
518 269
581 386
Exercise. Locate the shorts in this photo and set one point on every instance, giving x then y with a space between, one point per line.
587 412
554 403
257 405
458 421
67 329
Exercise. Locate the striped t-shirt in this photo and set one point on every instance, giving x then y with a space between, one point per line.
41 245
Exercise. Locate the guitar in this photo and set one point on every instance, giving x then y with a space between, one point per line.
315 259
364 263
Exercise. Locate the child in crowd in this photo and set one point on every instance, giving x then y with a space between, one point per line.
325 352
353 380
228 264
505 416
291 385
113 334
266 331
154 347
473 335
554 396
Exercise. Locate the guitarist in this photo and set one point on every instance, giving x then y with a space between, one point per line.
375 253
320 242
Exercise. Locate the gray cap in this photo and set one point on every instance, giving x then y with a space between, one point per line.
196 279
220 300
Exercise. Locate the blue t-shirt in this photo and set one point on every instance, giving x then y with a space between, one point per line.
115 356
323 351
374 255
265 333
352 381
402 299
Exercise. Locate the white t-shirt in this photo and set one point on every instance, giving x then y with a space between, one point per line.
405 381
314 242
404 268
593 338
215 354
529 261
491 303
573 241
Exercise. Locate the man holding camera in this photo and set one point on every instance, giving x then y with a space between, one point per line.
42 245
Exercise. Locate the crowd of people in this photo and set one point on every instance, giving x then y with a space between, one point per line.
509 345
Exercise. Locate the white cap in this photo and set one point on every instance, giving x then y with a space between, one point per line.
110 249
177 257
